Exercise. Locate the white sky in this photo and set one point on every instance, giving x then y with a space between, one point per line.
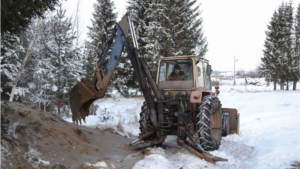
232 27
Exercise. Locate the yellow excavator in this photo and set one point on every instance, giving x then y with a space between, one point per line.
187 107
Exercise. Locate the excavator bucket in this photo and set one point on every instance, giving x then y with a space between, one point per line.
230 120
82 95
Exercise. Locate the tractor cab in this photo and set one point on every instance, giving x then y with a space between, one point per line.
194 73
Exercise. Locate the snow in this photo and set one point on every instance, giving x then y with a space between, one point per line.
99 165
269 130
226 74
33 158
120 114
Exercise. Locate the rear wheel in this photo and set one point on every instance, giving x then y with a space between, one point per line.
145 121
209 123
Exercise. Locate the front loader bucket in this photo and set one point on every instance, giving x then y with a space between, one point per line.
82 95
232 125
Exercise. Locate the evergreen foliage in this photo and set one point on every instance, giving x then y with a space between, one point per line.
102 23
170 27
148 16
54 65
297 47
145 15
184 29
279 63
63 59
17 15
10 61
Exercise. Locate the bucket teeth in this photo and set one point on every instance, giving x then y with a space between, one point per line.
82 96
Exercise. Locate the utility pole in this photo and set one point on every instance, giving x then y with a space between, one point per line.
235 60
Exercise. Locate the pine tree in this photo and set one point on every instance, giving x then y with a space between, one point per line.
288 52
102 23
198 37
154 30
278 62
184 29
269 65
15 17
16 57
63 60
146 16
11 49
297 48
171 23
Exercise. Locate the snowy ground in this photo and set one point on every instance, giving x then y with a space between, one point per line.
269 135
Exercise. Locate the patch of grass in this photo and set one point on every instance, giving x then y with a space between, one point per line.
21 129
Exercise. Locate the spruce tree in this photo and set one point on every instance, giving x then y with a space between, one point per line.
154 30
102 24
63 59
269 65
288 52
11 49
279 61
16 15
184 29
297 48
169 26
146 16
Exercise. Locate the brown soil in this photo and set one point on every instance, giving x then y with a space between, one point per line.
31 138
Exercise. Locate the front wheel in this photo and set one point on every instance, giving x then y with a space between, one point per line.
209 125
225 124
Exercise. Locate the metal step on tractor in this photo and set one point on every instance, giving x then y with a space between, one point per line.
179 101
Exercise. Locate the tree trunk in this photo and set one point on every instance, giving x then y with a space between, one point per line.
295 84
59 101
287 85
281 84
27 56
275 84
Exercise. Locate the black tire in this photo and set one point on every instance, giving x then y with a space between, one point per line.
143 118
209 123
145 121
225 124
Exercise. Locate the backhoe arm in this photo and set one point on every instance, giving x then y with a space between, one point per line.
84 93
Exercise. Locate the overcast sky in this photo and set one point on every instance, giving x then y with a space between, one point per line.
232 28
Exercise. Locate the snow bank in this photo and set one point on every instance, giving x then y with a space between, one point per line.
269 135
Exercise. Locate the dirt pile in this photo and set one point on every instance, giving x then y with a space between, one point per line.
31 138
